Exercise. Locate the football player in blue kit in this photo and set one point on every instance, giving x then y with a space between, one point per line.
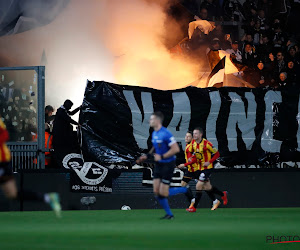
164 150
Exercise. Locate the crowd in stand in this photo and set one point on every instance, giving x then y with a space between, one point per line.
267 53
18 108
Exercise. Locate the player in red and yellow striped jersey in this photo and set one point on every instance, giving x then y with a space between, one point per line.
8 183
191 168
206 154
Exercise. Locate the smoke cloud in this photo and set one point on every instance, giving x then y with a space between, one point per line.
113 40
135 31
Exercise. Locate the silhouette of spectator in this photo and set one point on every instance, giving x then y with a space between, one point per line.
64 139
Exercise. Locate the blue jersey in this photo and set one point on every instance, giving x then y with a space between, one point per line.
162 140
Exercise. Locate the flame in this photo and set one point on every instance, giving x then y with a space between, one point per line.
112 40
135 32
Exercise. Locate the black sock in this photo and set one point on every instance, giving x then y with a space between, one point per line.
30 196
189 194
217 191
198 197
211 194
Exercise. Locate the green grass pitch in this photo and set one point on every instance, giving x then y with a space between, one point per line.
141 229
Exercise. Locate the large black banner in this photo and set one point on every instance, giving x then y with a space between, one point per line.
249 126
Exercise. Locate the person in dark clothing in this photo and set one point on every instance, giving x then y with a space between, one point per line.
203 14
278 37
283 79
292 55
249 59
292 72
49 117
232 10
297 70
48 111
278 65
63 122
211 8
261 76
264 48
261 17
64 140
266 6
247 39
257 33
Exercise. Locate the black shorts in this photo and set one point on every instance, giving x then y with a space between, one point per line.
188 176
205 175
164 171
6 172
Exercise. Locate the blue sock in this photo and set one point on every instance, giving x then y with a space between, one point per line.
163 201
177 190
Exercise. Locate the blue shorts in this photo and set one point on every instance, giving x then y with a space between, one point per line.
164 171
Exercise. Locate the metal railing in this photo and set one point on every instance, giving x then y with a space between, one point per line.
23 155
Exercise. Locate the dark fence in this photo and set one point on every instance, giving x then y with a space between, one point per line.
247 188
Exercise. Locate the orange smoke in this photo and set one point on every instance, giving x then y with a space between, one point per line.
112 40
134 33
